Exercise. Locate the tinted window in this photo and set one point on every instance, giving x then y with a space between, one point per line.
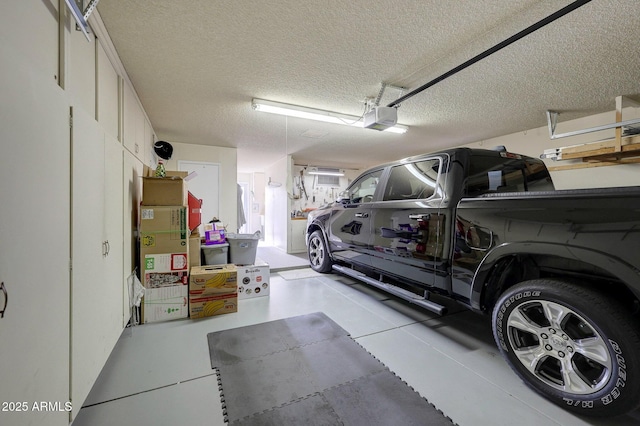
489 174
412 181
362 190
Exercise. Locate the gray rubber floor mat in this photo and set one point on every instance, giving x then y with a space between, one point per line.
308 370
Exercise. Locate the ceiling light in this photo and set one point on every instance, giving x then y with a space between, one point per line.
316 114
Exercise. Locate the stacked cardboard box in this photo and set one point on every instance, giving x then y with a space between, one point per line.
213 290
164 247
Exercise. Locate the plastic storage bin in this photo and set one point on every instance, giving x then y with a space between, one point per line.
243 248
215 254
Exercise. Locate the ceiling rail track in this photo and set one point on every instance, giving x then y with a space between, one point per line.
549 19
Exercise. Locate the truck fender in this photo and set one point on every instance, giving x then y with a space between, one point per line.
616 267
319 226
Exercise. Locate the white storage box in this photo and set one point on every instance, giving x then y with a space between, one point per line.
253 280
216 254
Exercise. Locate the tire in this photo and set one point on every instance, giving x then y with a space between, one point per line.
318 253
575 346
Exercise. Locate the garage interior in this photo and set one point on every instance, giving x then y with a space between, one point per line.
192 73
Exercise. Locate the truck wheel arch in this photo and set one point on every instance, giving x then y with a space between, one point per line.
483 297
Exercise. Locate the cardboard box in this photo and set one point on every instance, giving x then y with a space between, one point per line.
167 191
163 229
213 279
214 234
165 303
166 262
164 269
253 280
164 279
194 251
213 304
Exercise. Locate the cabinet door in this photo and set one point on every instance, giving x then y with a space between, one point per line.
97 279
113 234
297 229
34 243
133 129
88 250
132 196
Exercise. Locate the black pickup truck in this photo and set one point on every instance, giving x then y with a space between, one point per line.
558 270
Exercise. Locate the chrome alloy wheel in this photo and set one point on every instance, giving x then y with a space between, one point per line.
316 251
559 347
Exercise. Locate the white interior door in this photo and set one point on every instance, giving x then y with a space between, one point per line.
205 186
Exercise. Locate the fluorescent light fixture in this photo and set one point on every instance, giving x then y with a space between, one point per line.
316 114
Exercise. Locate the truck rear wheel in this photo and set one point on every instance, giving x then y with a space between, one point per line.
318 253
575 346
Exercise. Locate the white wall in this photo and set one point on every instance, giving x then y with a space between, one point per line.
258 203
276 205
254 211
534 142
227 158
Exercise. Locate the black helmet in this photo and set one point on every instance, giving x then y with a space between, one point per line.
163 149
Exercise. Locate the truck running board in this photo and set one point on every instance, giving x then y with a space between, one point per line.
396 291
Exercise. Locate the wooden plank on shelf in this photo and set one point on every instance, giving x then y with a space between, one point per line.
586 165
627 149
609 143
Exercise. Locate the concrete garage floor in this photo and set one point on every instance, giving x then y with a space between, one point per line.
160 374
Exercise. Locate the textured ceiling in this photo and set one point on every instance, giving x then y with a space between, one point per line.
196 65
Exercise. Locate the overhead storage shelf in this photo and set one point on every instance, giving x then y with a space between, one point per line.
623 149
597 154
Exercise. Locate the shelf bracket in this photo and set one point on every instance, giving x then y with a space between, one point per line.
552 122
82 18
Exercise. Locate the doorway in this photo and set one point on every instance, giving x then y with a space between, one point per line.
205 185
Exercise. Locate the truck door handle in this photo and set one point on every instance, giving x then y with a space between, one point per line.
362 215
420 216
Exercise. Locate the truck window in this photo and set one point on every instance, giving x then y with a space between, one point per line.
490 174
362 190
412 181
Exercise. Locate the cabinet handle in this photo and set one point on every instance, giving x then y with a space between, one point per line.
362 215
6 299
106 248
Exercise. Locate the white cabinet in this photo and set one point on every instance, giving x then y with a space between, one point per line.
34 243
107 93
297 228
138 137
132 196
133 124
97 251
149 140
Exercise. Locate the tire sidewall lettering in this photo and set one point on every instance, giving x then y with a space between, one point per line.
503 309
586 402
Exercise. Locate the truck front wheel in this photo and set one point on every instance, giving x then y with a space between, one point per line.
318 253
575 346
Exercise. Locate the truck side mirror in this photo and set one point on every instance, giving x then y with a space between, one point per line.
343 198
